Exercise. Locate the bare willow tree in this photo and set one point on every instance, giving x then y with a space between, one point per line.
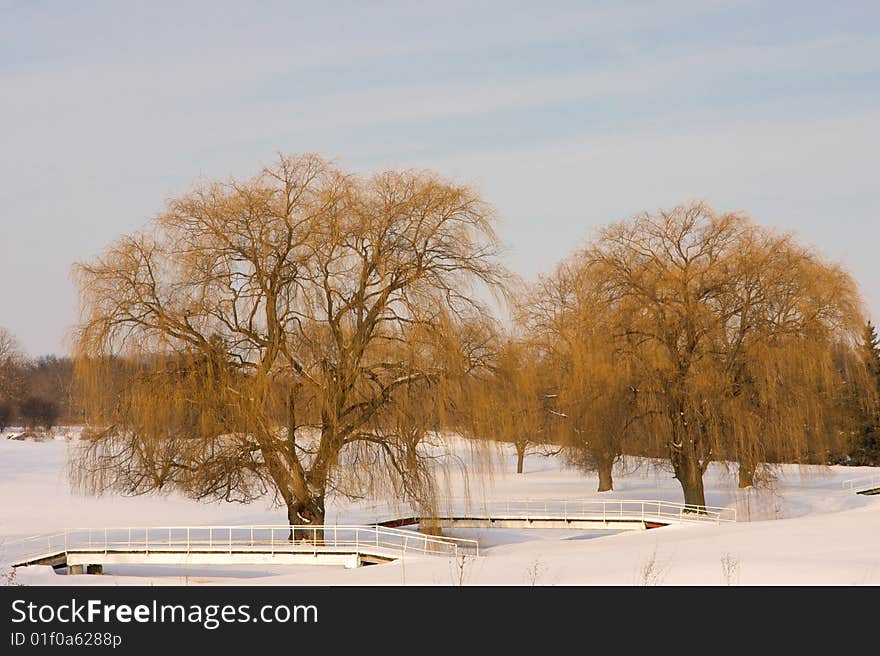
511 402
598 401
733 329
8 344
12 363
296 332
726 334
593 405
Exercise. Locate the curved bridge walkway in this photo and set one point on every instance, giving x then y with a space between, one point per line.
352 546
382 540
868 485
588 514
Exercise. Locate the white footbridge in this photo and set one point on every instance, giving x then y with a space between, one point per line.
587 514
382 539
89 549
868 485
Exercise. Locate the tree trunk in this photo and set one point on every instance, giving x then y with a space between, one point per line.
751 456
430 526
688 469
690 476
694 494
520 457
604 464
746 473
302 514
684 454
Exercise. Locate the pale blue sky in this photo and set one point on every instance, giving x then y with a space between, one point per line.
566 115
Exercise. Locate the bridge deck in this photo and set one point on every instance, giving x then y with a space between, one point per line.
589 514
350 545
244 555
382 540
867 485
616 523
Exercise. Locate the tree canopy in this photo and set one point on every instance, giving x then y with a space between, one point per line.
283 333
303 331
713 338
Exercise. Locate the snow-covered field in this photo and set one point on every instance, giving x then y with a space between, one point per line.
808 529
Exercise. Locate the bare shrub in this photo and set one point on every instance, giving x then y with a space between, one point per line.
729 569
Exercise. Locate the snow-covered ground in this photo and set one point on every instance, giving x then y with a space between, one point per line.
808 529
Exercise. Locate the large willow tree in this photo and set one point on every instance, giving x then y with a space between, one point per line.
721 340
297 332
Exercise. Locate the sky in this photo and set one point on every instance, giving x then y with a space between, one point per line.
564 115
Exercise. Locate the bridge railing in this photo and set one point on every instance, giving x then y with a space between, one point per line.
865 482
239 539
572 509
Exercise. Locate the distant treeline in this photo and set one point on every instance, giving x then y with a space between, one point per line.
34 392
